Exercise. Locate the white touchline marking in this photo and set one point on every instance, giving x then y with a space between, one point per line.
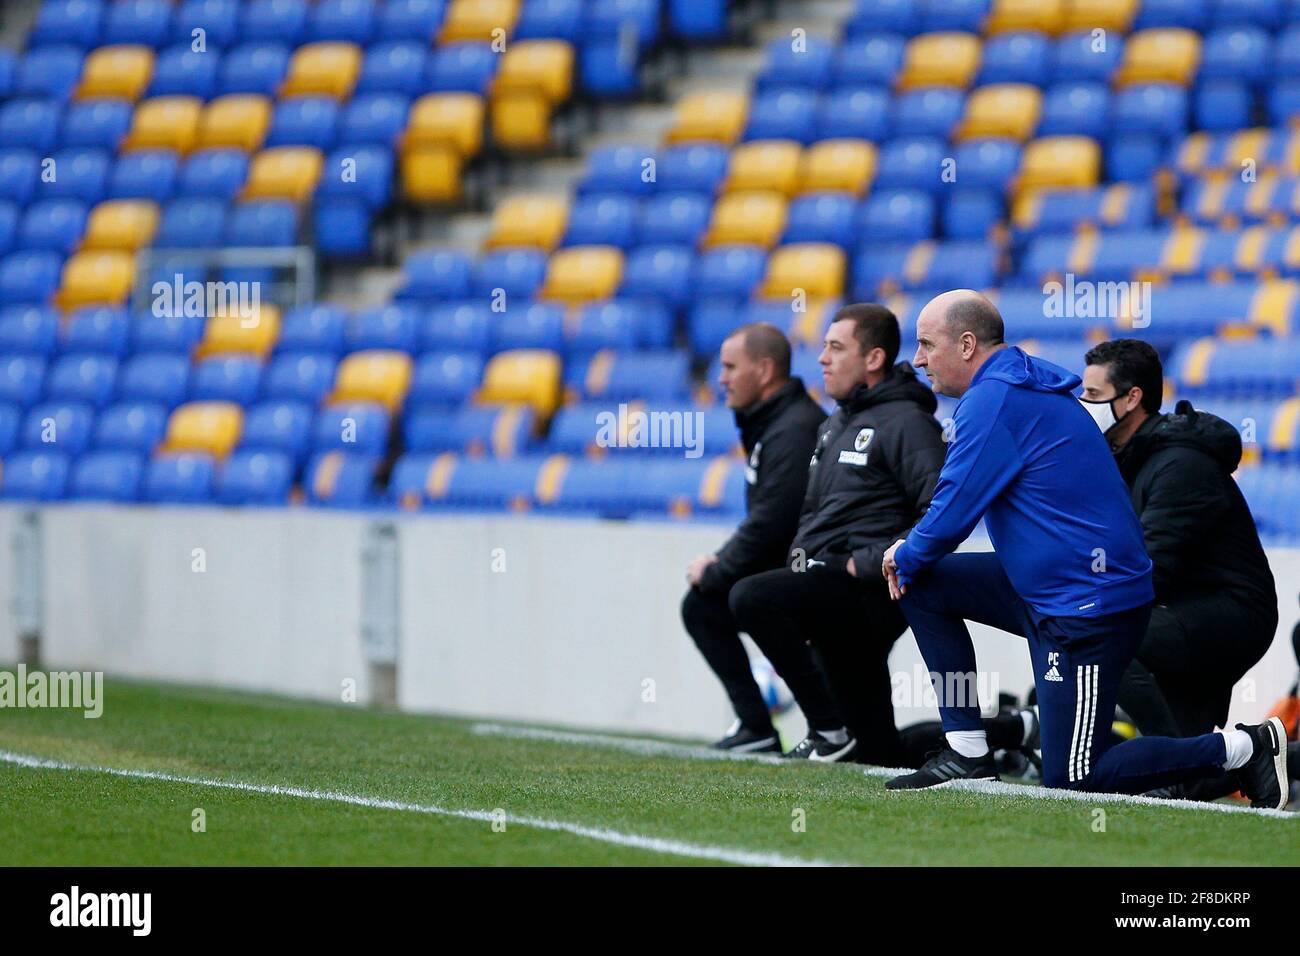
650 747
697 851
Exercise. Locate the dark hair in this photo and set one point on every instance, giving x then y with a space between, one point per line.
975 314
1131 363
874 326
763 340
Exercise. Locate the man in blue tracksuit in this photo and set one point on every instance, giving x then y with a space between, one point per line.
1069 573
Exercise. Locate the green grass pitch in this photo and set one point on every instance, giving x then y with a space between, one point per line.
563 802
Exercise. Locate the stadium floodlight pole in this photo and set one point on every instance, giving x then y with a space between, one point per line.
28 601
381 609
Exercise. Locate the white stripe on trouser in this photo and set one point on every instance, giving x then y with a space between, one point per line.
1085 715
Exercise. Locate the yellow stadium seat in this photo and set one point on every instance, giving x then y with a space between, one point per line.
717 116
771 164
940 59
1002 109
1166 55
535 76
530 376
254 334
375 375
127 224
121 71
323 69
581 274
211 427
817 268
535 221
1059 162
446 119
839 164
1011 16
284 172
431 174
237 120
1088 15
96 277
478 19
756 218
165 122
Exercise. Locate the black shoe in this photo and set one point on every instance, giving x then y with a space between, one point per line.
1264 777
1032 748
817 747
740 739
946 765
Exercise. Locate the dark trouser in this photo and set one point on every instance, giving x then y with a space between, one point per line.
850 624
1077 662
708 620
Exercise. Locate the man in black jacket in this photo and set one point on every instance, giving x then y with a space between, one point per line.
1216 607
778 424
870 479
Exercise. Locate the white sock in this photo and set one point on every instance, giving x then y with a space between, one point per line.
1239 747
1027 718
840 736
968 743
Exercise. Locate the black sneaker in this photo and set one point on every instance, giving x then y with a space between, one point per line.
740 739
946 765
1264 777
817 747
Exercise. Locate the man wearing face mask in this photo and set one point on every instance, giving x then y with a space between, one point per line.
1215 611
778 423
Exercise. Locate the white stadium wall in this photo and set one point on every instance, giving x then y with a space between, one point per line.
559 621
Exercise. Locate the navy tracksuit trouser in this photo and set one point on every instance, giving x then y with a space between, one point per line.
1078 663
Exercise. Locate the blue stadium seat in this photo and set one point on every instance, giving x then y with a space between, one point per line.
878 268
49 71
110 476
1158 108
35 476
501 431
58 426
284 21
376 118
473 484
181 71
271 222
218 173
351 426
67 21
463 67
1237 53
130 426
352 21
21 378
783 114
1079 57
226 378
103 330
20 170
218 19
871 60
175 332
625 169
300 376
927 111
179 478
304 121
409 20
603 219
372 183
1262 13
29 329
913 162
885 16
445 378
822 217
278 426
10 418
531 325
616 324
854 113
1192 14
1134 157
987 163
257 66
550 19
1021 57
30 124
394 66
101 123
658 375
972 213
673 218
254 478
55 224
79 174
1284 101
158 377
889 215
613 29
1286 53
341 227
1222 105
340 479
313 328
518 272
391 326
144 174
731 271
806 66
82 377
9 216
661 273
29 276
435 274
709 324
693 167
462 326
191 222
1075 109
137 21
